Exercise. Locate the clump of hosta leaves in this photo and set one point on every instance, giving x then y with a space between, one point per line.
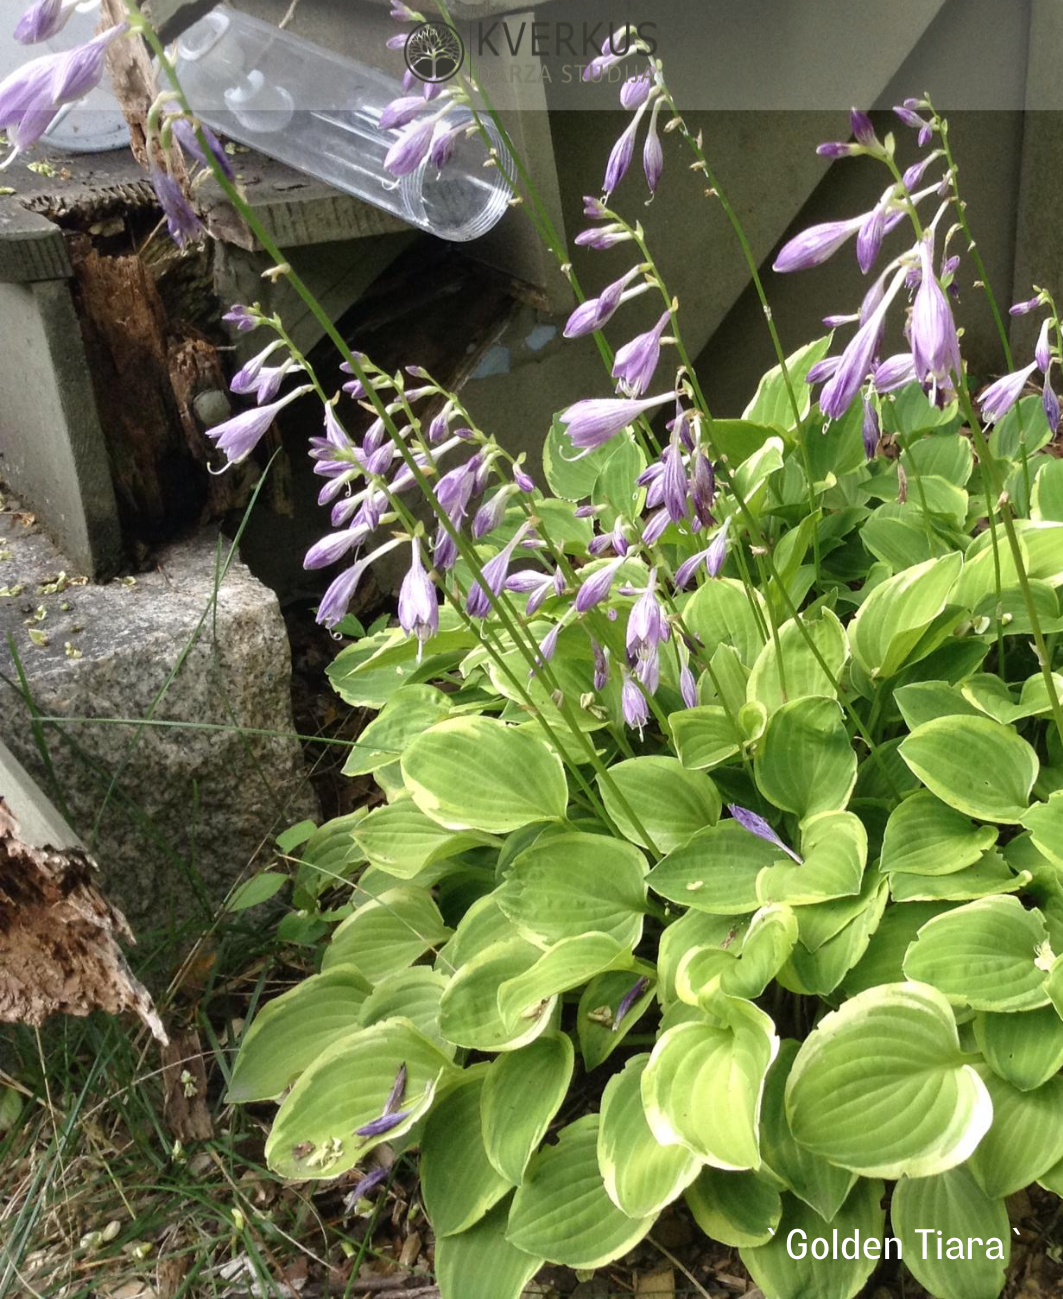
720 857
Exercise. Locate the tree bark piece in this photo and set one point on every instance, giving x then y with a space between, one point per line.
58 938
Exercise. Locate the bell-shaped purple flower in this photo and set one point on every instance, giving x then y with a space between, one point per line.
603 237
1042 351
524 480
647 625
411 148
610 54
495 572
1024 308
621 153
870 430
856 361
869 237
702 489
401 112
594 312
242 318
823 369
688 686
999 397
1050 402
894 372
652 153
245 380
674 482
633 703
537 586
181 219
814 246
935 344
601 665
237 437
595 588
635 91
593 421
42 20
547 647
333 547
636 362
81 69
184 132
628 1000
418 606
757 825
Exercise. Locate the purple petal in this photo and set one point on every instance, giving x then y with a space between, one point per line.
385 1123
812 247
628 1000
757 825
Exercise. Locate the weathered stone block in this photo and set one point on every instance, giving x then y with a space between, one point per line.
176 809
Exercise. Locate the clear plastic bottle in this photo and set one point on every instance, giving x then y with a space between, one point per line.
319 113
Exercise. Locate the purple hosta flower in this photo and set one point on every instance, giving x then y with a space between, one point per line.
325 553
594 208
999 397
1024 308
385 1123
402 13
494 575
702 490
628 1000
401 112
894 372
491 513
411 148
601 665
537 586
812 247
181 219
600 544
674 482
524 480
621 153
238 437
757 825
335 601
245 380
866 140
547 646
592 422
870 235
42 20
655 526
603 237
914 174
1050 403
244 319
857 359
398 1091
906 112
647 627
81 69
362 1188
688 686
444 142
594 313
418 606
870 429
635 91
1042 352
825 368
184 132
636 361
596 588
609 55
712 558
652 153
932 330
633 703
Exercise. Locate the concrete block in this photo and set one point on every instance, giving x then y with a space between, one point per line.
173 812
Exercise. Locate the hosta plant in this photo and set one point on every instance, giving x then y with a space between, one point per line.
718 851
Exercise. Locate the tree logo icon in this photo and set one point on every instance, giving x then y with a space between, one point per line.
434 52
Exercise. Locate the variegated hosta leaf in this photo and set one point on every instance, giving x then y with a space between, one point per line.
347 1087
735 1208
292 1030
954 1204
669 803
459 1184
1026 1139
522 1092
785 1270
387 934
880 1086
480 1263
703 1085
975 765
641 1176
468 1013
562 1211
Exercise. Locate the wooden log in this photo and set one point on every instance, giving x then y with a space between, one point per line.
58 938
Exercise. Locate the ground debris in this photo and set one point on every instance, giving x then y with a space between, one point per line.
58 938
